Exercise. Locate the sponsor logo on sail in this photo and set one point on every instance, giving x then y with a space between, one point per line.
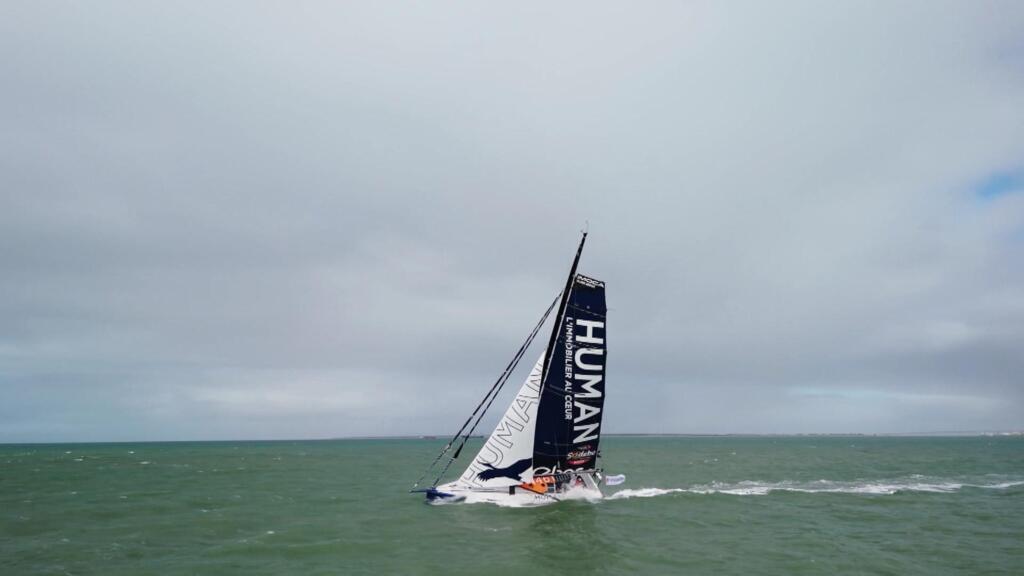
589 375
581 455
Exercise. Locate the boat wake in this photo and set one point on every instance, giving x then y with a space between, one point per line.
880 487
756 488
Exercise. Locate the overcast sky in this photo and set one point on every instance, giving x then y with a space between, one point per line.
295 220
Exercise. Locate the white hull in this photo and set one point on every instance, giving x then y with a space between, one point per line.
586 487
452 493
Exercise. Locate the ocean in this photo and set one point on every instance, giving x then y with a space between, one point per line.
690 505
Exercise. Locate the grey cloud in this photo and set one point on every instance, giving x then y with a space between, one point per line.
206 210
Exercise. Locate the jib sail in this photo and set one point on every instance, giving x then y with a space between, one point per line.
568 428
507 456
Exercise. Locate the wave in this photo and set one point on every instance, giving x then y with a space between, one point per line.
879 487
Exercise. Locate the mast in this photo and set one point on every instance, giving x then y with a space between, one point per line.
557 328
569 413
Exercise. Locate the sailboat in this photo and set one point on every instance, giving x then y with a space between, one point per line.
546 445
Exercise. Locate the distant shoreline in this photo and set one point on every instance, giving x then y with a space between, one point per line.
436 437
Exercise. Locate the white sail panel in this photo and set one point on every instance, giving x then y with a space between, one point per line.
507 456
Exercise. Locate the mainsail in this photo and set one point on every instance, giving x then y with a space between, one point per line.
572 400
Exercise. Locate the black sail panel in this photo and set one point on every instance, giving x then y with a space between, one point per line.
572 399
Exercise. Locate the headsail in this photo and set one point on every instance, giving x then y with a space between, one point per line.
507 456
572 400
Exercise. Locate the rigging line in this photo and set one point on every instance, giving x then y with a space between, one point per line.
497 390
504 376
519 356
502 380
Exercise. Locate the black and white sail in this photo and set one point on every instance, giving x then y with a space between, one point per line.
568 430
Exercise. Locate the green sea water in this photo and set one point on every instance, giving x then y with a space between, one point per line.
690 505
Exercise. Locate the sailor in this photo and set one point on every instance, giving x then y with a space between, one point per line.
578 482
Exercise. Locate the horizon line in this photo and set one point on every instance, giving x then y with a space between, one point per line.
939 433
